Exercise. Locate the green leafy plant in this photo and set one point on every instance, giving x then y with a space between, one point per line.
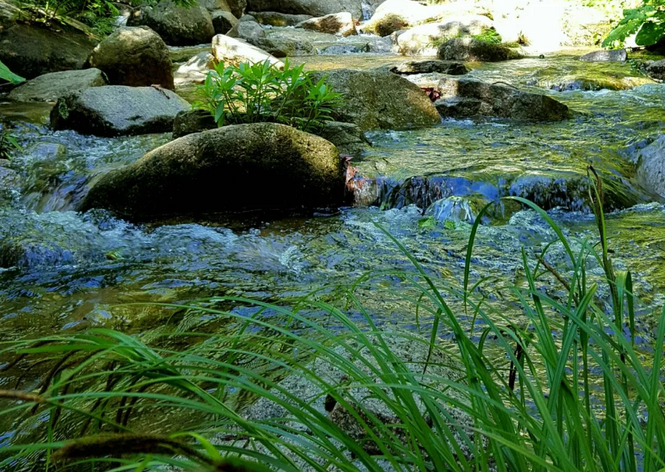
564 389
9 76
8 143
491 36
251 93
647 20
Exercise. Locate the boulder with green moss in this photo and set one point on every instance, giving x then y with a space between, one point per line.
134 56
424 40
475 50
261 166
379 99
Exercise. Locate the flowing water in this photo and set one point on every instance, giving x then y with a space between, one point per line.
62 271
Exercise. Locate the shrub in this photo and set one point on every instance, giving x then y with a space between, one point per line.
647 20
251 93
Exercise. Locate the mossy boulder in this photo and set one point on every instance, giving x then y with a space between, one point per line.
115 110
475 50
261 166
178 26
31 51
651 167
423 40
134 56
472 98
379 99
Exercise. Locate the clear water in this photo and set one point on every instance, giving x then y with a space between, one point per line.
63 271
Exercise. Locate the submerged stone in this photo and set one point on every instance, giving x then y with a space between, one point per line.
262 166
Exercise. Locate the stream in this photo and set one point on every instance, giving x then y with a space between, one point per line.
61 271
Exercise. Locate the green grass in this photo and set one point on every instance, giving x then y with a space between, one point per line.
501 395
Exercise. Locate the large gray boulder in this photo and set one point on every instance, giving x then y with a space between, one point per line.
341 24
261 166
651 167
423 39
50 87
471 98
134 56
235 51
474 50
31 51
248 29
612 55
116 110
274 18
379 99
178 26
311 7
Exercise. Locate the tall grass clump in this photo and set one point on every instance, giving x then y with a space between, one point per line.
565 390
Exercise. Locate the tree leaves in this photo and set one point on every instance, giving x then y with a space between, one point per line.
9 76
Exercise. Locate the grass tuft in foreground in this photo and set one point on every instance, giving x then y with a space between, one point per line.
566 390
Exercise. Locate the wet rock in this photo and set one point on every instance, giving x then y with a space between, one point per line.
192 121
237 7
10 185
341 24
395 15
347 137
134 56
31 51
50 87
379 99
195 70
474 50
285 47
262 166
612 55
274 18
235 51
46 151
223 21
178 26
651 167
471 98
248 29
116 110
657 70
428 67
424 40
309 7
607 82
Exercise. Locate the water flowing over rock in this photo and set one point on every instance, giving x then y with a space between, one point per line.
651 167
472 98
50 87
341 24
424 39
31 51
379 99
613 55
134 56
474 50
263 166
178 26
116 110
235 51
